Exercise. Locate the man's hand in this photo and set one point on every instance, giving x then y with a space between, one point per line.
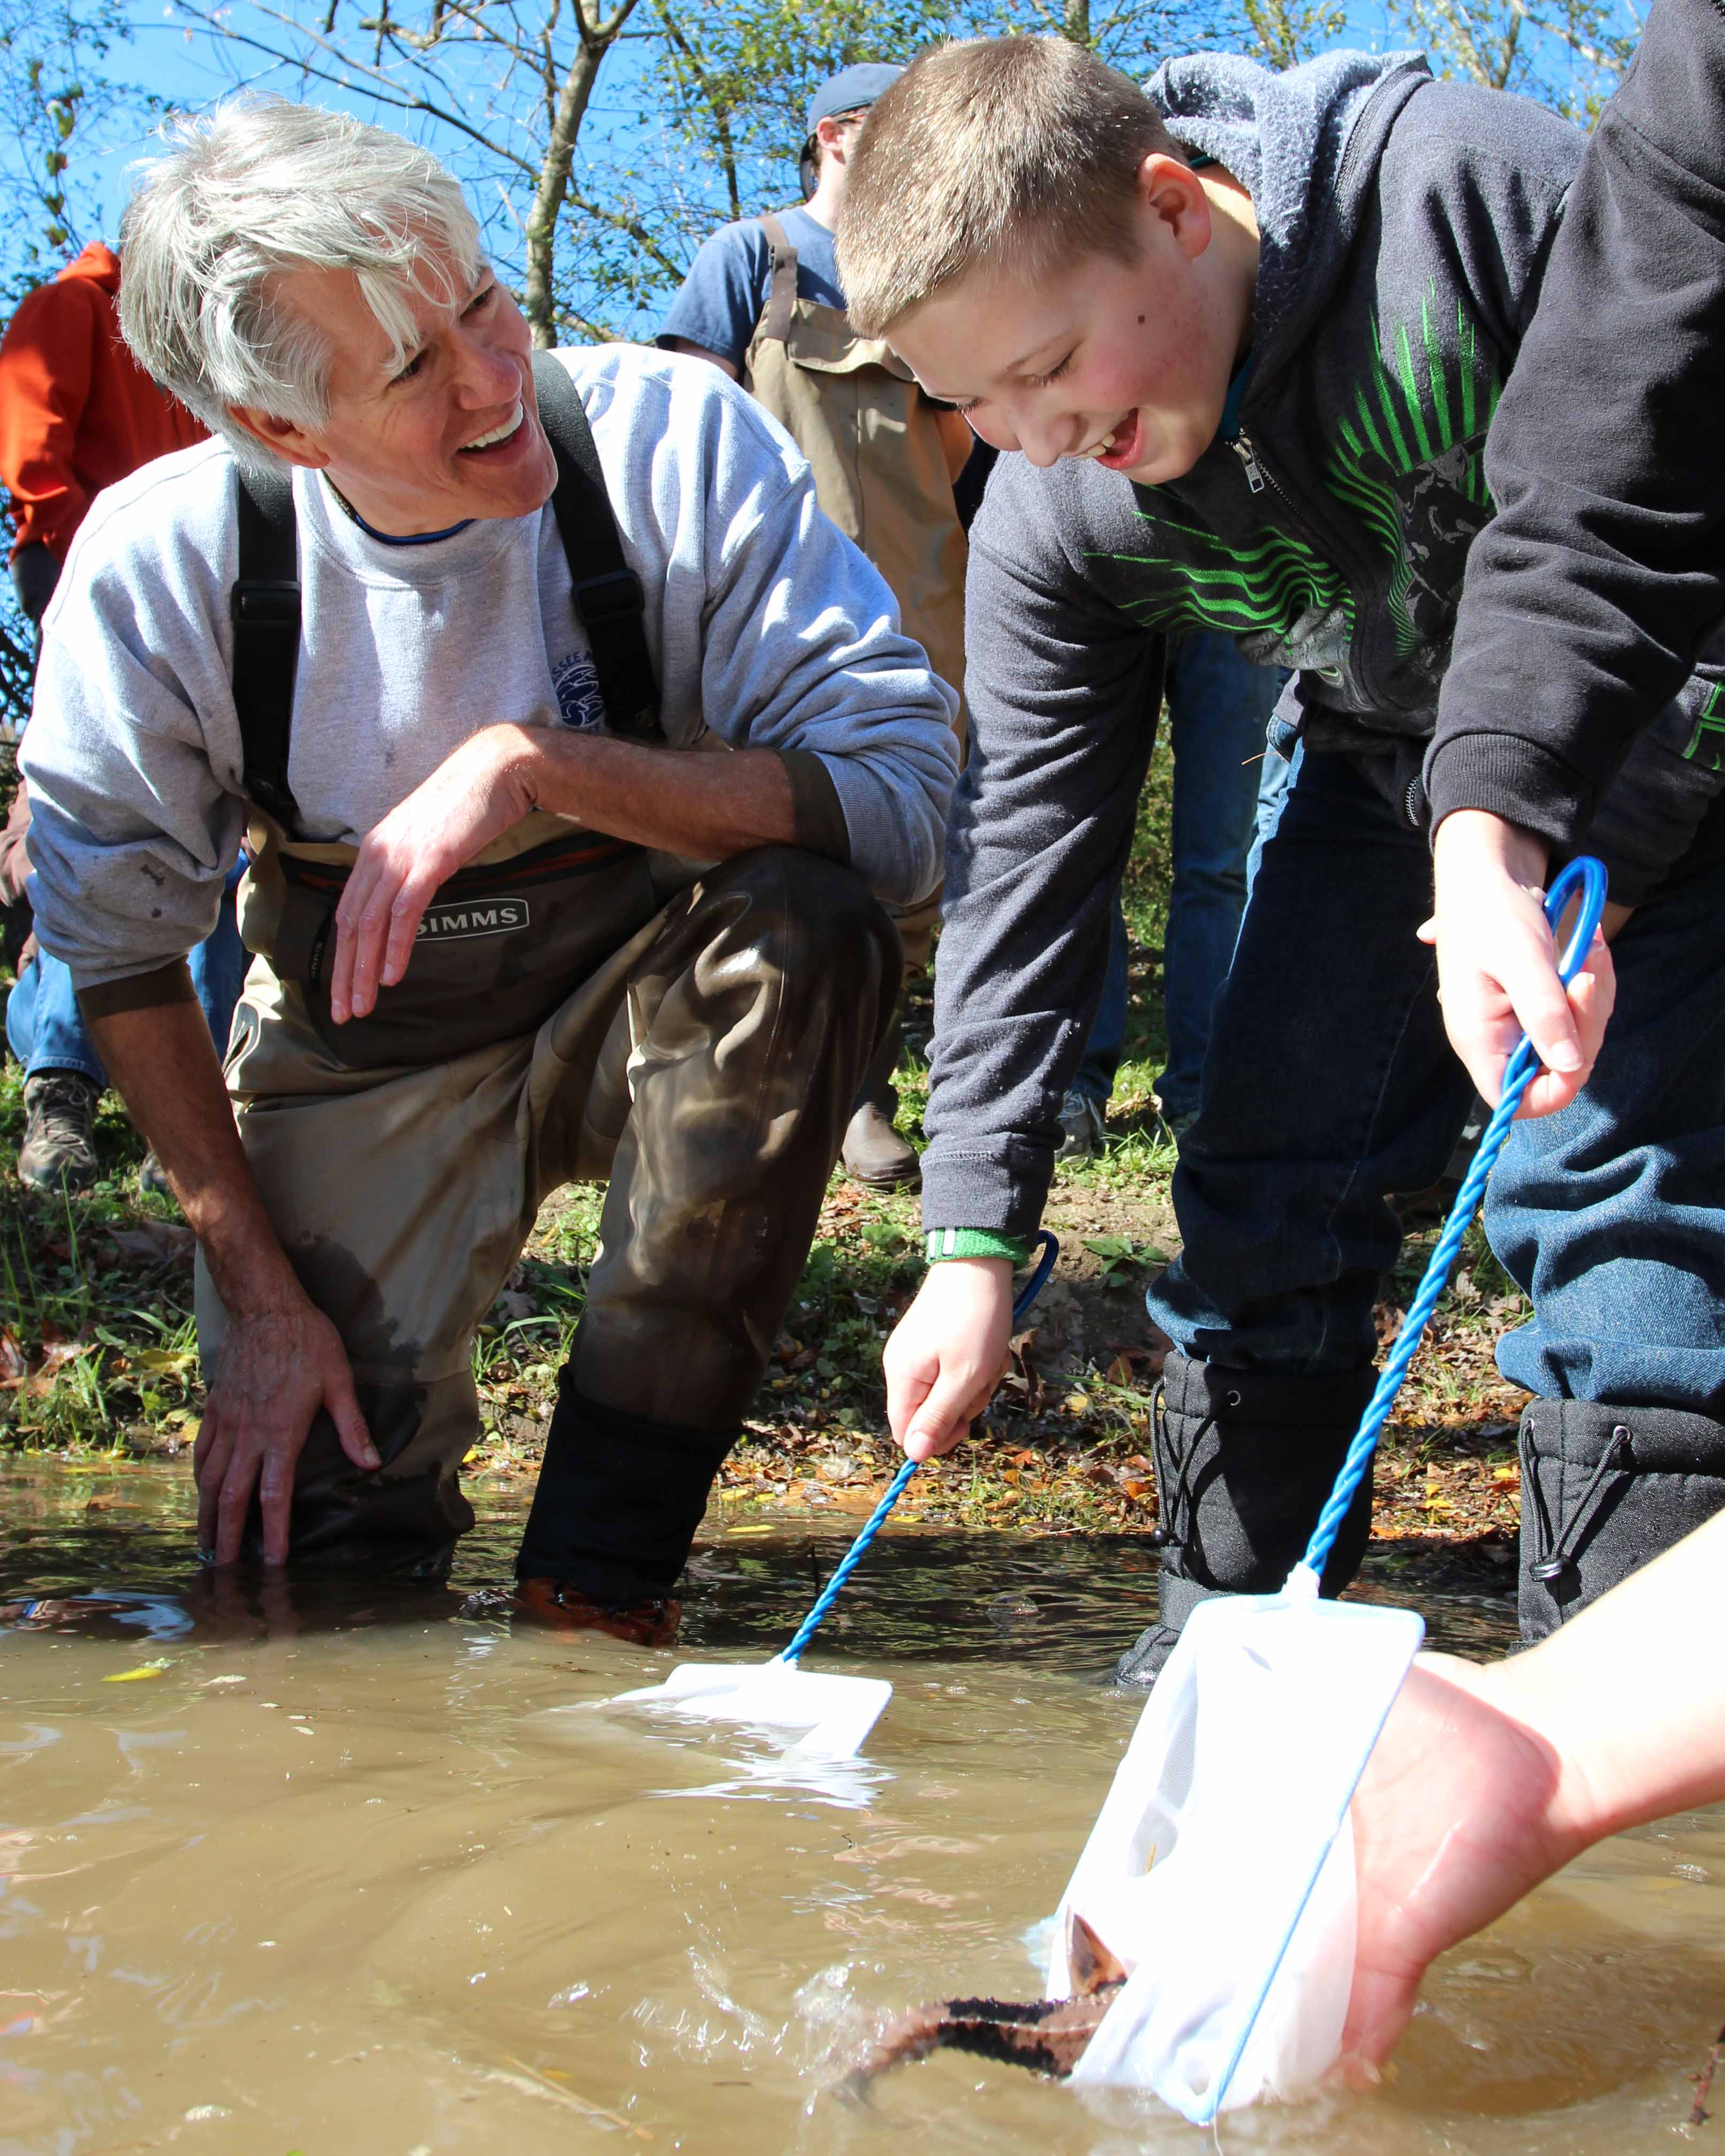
1497 971
276 1368
947 1353
473 796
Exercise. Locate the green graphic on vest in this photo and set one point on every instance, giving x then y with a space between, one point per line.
1199 582
1706 743
1420 415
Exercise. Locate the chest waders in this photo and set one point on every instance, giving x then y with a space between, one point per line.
853 409
503 938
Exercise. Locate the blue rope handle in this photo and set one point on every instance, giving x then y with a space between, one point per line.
877 1519
1588 876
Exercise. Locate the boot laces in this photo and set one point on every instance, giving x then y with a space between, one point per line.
63 1111
1178 1509
1562 1549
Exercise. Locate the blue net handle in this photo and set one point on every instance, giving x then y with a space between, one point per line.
877 1519
1587 876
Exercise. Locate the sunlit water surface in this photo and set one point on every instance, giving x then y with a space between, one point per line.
369 1877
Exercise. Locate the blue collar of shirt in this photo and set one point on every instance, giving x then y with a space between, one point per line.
395 538
1229 428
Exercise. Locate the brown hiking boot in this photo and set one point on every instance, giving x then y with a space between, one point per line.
59 1151
553 1602
874 1154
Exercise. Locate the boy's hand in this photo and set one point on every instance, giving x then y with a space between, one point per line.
947 1353
1497 972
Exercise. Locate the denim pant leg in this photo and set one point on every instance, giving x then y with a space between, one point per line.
1608 1214
1095 1077
44 1027
1329 1083
218 965
1218 708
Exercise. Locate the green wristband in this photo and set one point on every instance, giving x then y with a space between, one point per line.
975 1243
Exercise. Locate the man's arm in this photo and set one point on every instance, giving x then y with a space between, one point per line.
1485 1781
705 807
280 1359
1589 596
700 351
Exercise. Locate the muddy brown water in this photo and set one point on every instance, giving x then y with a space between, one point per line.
364 1877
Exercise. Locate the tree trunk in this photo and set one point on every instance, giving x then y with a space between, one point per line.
1077 27
541 220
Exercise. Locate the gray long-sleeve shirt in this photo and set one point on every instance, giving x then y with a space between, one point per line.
765 625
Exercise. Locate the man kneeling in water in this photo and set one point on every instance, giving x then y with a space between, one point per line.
434 626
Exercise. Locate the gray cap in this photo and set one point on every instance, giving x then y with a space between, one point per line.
850 90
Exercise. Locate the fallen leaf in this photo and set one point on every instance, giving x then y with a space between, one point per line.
13 1364
164 1361
68 1350
151 1241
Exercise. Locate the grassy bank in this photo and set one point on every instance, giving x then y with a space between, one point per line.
97 1350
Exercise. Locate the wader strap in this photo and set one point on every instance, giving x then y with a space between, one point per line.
265 601
781 286
608 593
264 604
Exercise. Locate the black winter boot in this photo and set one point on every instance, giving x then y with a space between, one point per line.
1605 1489
619 1500
1244 1460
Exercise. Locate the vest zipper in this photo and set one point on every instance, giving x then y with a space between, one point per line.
1242 448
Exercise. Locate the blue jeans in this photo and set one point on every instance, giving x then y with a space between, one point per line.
1331 1083
1219 707
45 1028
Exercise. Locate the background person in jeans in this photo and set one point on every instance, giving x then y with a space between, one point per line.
77 412
1227 787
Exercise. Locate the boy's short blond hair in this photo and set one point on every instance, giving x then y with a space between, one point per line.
1018 153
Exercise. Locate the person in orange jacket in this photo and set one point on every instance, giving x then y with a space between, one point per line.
77 412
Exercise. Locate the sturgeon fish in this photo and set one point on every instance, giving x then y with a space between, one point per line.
1047 2036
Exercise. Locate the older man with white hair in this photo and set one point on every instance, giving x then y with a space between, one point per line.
574 752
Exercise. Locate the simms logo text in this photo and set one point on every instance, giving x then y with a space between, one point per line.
485 917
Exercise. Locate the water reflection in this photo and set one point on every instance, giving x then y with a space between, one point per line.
358 1876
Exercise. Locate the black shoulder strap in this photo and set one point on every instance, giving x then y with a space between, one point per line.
608 593
264 603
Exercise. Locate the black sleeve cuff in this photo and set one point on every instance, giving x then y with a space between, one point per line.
816 812
169 984
1511 778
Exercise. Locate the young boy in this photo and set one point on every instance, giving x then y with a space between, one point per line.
1247 332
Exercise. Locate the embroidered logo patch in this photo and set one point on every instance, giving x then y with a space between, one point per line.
577 686
485 917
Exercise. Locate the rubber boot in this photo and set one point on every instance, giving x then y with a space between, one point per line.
1244 1460
874 1151
1604 1489
619 1500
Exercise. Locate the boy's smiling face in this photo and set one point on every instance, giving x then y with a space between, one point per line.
1126 363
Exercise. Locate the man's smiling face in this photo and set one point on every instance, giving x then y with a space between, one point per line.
450 432
1124 363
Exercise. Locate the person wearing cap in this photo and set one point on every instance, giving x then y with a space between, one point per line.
763 303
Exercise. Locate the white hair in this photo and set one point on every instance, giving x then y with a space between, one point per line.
250 193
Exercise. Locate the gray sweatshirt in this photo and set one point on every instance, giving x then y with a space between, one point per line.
765 625
1405 226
